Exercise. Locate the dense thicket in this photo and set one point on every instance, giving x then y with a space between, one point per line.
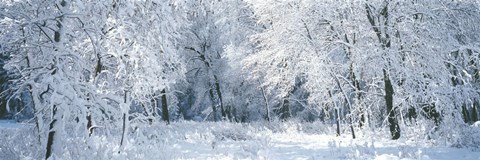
111 66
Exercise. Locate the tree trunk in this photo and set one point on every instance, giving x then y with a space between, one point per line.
165 114
150 111
352 130
337 121
124 120
267 108
214 108
432 113
474 111
284 110
392 121
337 114
384 39
466 116
411 114
124 128
52 130
348 103
356 84
216 83
89 123
3 106
219 94
51 133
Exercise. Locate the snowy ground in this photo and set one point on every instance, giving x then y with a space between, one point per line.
193 140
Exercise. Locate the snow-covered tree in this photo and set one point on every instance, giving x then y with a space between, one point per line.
214 87
369 60
52 66
283 50
86 63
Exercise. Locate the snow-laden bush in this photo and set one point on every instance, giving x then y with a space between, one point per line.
224 140
467 136
19 142
7 153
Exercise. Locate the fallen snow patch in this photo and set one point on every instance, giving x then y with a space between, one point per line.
476 124
10 124
223 140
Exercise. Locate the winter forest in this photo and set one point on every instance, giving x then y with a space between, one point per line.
235 79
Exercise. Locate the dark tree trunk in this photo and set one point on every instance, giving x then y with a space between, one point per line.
355 82
98 66
3 109
380 30
347 101
216 84
51 133
432 113
412 114
219 94
150 112
475 112
466 116
267 108
124 128
353 132
392 121
285 109
124 122
358 95
337 121
228 110
214 108
165 114
337 115
89 124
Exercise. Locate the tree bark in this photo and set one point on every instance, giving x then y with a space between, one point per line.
384 39
466 116
51 133
52 130
392 121
124 120
214 108
474 111
356 84
165 114
284 110
216 83
219 94
124 128
267 108
337 121
89 123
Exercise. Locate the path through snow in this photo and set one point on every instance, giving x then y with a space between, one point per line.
278 146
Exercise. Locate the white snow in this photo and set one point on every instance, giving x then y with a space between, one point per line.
222 140
476 124
9 124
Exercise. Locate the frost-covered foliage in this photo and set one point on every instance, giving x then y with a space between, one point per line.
88 64
359 56
52 62
77 69
216 42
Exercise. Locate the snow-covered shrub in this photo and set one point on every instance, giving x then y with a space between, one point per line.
466 136
7 153
19 142
229 134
